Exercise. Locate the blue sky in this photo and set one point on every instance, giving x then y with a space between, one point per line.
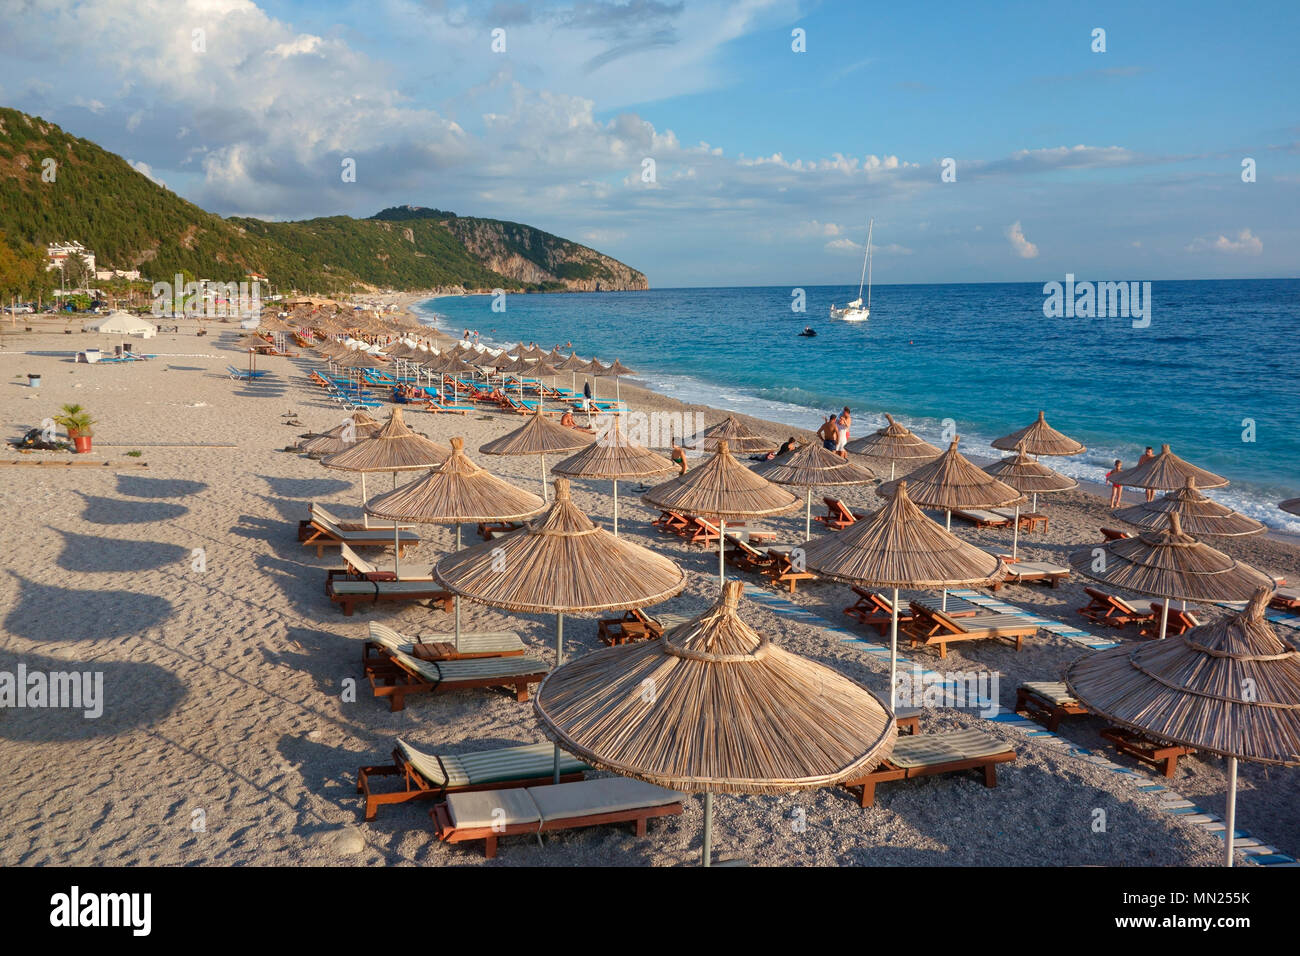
1117 165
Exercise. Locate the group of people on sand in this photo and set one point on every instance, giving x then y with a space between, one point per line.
1117 489
834 432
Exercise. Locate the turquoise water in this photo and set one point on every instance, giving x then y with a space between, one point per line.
1216 354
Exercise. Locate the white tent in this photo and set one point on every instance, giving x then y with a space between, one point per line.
121 323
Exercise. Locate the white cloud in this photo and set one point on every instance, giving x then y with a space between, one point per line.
1246 244
813 228
145 170
1023 247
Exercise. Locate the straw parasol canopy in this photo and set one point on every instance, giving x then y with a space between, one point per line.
613 455
727 712
1040 438
1291 506
953 482
894 442
1166 472
616 369
1027 476
1198 514
357 427
561 562
539 436
811 466
393 448
1168 563
739 437
271 323
900 547
1230 687
721 488
359 358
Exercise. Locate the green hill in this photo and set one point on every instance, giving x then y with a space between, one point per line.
129 221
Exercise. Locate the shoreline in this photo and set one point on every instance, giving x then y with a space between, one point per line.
772 427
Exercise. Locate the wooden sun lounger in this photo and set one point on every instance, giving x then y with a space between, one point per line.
1285 599
933 627
739 553
982 519
323 534
1047 702
487 530
440 647
1111 611
636 625
432 776
1164 757
837 517
922 755
1179 622
875 610
671 521
701 531
781 569
1025 572
565 806
399 674
348 592
1112 534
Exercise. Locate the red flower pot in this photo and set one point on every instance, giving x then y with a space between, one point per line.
80 442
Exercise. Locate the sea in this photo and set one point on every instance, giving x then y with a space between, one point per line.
1211 369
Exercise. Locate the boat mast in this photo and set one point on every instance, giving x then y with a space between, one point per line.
863 278
868 263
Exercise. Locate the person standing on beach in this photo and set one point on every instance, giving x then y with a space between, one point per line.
1116 490
678 456
827 433
1148 455
842 432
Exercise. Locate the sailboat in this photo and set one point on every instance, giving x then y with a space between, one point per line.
856 311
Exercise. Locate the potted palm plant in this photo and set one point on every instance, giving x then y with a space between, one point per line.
78 423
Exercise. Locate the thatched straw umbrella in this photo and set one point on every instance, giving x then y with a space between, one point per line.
895 443
1167 472
1231 687
1291 506
1199 515
740 438
715 707
614 455
393 448
953 482
1026 475
561 563
1170 564
900 547
721 488
457 492
538 436
356 427
812 466
574 365
1040 439
616 369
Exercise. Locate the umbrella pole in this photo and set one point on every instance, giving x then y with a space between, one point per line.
807 517
943 604
1035 502
708 827
616 507
722 540
1232 809
1164 616
559 659
893 649
456 599
544 492
397 559
365 518
1015 534
891 469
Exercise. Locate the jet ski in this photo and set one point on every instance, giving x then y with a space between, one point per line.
809 332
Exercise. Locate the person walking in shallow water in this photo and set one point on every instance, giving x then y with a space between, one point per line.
1116 490
1148 455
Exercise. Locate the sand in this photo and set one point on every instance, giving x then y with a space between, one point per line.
228 735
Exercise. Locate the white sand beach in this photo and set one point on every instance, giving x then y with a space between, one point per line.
226 738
